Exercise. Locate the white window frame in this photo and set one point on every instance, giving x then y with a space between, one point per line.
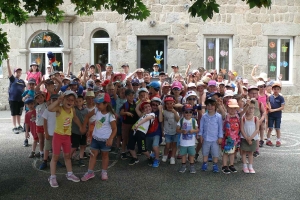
99 41
217 53
279 38
1 75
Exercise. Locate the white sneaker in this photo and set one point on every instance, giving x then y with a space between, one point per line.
164 158
172 161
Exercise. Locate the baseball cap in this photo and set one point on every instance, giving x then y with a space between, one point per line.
155 64
245 81
191 85
270 83
176 84
109 65
221 83
38 94
169 99
102 97
143 90
143 104
90 93
17 69
210 100
32 80
162 73
154 84
276 85
174 66
73 82
156 99
105 83
135 80
29 100
128 92
166 84
205 79
70 92
259 83
191 93
230 85
125 65
188 107
232 103
97 89
228 93
212 83
252 87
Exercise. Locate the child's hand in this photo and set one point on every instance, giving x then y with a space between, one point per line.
255 67
220 141
60 98
70 63
134 127
160 107
184 131
201 139
129 114
109 142
27 136
47 136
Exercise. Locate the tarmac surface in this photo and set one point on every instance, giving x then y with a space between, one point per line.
277 174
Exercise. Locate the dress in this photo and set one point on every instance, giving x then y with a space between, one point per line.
231 133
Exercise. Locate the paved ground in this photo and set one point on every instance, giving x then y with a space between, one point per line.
277 175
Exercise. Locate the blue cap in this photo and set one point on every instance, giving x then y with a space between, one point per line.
135 80
154 84
73 82
28 100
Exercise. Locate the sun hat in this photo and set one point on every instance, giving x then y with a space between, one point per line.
102 97
259 83
32 80
200 83
143 90
122 75
232 103
252 87
244 87
29 100
191 93
176 84
191 85
70 92
228 93
34 63
154 84
90 93
263 76
156 99
245 81
205 79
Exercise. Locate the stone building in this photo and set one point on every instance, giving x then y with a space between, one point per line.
237 38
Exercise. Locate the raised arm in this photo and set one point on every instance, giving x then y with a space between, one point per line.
69 69
8 69
188 69
253 73
55 106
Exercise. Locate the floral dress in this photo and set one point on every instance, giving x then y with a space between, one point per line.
231 133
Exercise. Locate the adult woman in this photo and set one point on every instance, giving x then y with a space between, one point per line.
34 73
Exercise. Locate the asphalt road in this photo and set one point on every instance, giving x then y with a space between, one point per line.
277 174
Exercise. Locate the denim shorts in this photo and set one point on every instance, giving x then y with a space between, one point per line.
99 145
152 142
191 151
272 120
210 147
171 138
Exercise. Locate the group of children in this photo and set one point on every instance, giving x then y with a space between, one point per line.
201 111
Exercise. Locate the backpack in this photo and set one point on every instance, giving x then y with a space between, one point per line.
153 125
193 123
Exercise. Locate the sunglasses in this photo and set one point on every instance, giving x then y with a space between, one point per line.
262 86
176 89
154 104
188 112
191 99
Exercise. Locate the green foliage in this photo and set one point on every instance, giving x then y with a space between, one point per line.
4 46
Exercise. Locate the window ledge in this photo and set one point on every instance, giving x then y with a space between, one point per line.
39 19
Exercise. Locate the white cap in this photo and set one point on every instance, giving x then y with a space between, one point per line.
191 85
191 93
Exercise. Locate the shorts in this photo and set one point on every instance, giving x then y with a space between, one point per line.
272 120
138 138
35 136
210 147
16 107
99 145
119 128
170 138
152 142
91 129
178 139
48 144
40 129
78 140
246 147
126 129
61 141
191 151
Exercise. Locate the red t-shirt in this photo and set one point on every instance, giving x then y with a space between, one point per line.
30 119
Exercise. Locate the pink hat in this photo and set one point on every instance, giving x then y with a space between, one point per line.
176 84
232 103
116 74
245 81
212 83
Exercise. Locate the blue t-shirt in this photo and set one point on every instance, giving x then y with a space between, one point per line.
158 130
16 89
276 102
31 93
154 74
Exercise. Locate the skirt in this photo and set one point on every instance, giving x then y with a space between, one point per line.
246 147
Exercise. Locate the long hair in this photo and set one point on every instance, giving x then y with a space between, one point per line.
37 69
109 108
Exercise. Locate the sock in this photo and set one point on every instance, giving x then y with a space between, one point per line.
250 166
268 139
244 165
183 164
53 176
70 173
41 152
90 171
104 171
278 139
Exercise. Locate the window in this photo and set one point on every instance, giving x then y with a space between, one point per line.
280 58
100 48
218 53
1 70
40 45
152 50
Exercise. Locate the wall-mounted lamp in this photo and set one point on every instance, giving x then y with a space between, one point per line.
171 38
152 23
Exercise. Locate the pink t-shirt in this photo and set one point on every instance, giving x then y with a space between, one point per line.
36 76
263 100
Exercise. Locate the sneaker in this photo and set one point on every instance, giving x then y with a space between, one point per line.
104 176
31 155
204 167
38 155
179 156
192 169
85 155
87 176
164 158
20 129
209 158
73 178
232 169
196 157
53 182
133 161
246 170
155 163
139 153
150 161
15 130
225 170
255 154
59 164
215 168
261 143
152 155
182 169
278 144
123 156
251 171
43 166
25 143
81 163
269 143
172 161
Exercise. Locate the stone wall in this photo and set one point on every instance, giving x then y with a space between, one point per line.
249 29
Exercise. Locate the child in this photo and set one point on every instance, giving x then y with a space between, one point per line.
78 139
188 127
231 136
171 117
249 130
65 114
104 132
90 105
30 124
40 108
121 99
155 72
211 134
275 105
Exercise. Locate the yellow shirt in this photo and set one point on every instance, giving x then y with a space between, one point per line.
64 122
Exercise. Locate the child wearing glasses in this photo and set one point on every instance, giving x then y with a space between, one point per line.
188 127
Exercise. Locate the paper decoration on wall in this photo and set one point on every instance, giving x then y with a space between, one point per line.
211 45
272 45
210 59
223 53
284 64
272 56
38 60
284 48
47 38
158 57
272 68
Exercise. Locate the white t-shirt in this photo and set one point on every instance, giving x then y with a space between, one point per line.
102 128
169 123
39 112
187 140
51 120
144 127
104 77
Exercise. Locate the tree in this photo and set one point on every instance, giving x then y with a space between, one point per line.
17 11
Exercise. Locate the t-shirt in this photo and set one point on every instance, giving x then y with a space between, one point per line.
154 74
276 102
145 126
169 122
51 120
16 89
64 122
102 130
30 120
130 108
119 104
39 112
29 92
80 114
104 77
158 131
36 76
189 139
